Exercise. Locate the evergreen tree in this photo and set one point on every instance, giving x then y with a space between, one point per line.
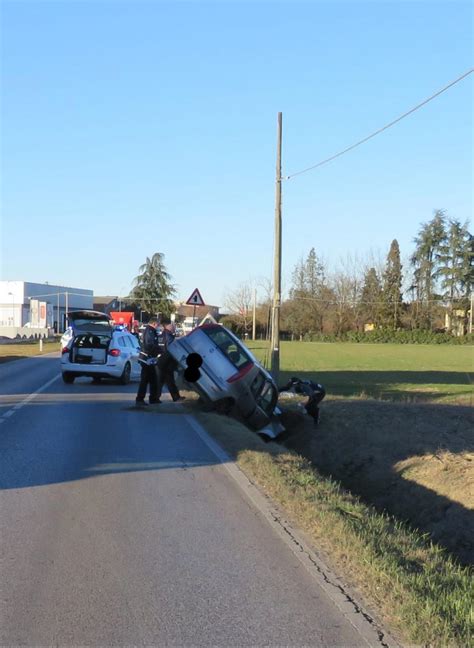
314 273
431 237
307 296
391 291
371 297
455 266
153 288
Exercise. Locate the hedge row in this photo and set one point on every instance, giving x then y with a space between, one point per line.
400 337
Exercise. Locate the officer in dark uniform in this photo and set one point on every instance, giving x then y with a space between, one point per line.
147 358
166 364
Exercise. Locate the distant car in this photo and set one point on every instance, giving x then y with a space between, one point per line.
230 376
98 349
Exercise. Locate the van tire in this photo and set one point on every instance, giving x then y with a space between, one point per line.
68 378
125 377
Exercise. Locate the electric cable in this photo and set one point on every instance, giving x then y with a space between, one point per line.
380 130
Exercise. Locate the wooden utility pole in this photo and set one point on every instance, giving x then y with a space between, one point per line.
275 342
470 312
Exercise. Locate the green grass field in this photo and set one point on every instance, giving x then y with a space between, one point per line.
9 352
411 372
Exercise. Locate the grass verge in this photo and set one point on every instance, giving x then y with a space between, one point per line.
419 589
9 352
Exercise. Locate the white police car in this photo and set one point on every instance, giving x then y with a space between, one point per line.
98 349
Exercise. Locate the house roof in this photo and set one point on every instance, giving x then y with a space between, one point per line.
98 299
185 310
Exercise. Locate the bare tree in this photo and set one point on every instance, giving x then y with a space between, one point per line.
240 303
347 284
265 304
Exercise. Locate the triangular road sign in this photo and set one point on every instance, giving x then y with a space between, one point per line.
196 299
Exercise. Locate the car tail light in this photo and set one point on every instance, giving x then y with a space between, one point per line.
240 374
114 352
64 350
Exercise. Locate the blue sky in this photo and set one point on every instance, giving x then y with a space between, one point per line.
130 128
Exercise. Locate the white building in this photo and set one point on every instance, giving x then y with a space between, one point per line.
27 306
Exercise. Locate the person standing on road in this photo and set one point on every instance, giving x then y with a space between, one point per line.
166 364
147 359
136 330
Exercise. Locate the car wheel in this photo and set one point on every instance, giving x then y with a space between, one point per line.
96 380
68 378
125 377
224 405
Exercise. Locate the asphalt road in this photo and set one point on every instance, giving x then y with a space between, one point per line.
122 527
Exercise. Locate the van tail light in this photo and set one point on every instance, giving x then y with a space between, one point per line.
240 374
114 352
64 350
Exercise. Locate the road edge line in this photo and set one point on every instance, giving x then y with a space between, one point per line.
363 622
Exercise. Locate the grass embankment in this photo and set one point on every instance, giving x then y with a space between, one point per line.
417 587
9 352
384 484
397 430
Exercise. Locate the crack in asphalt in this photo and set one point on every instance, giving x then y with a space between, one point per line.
349 599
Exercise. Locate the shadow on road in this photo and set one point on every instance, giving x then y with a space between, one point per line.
84 430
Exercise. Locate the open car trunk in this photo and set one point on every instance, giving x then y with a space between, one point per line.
90 348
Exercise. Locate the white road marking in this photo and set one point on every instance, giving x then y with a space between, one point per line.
370 631
28 399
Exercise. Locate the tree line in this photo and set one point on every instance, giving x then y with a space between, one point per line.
432 294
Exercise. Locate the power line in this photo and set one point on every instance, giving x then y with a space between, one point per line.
380 130
349 302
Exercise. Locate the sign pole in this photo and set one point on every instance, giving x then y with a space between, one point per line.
195 300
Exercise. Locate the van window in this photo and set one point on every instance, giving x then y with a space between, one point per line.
91 341
86 324
268 398
257 384
229 347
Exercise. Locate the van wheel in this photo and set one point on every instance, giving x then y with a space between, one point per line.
125 377
68 378
224 405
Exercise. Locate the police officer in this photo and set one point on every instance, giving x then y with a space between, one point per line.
147 359
166 363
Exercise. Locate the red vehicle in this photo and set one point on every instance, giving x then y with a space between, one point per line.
123 318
